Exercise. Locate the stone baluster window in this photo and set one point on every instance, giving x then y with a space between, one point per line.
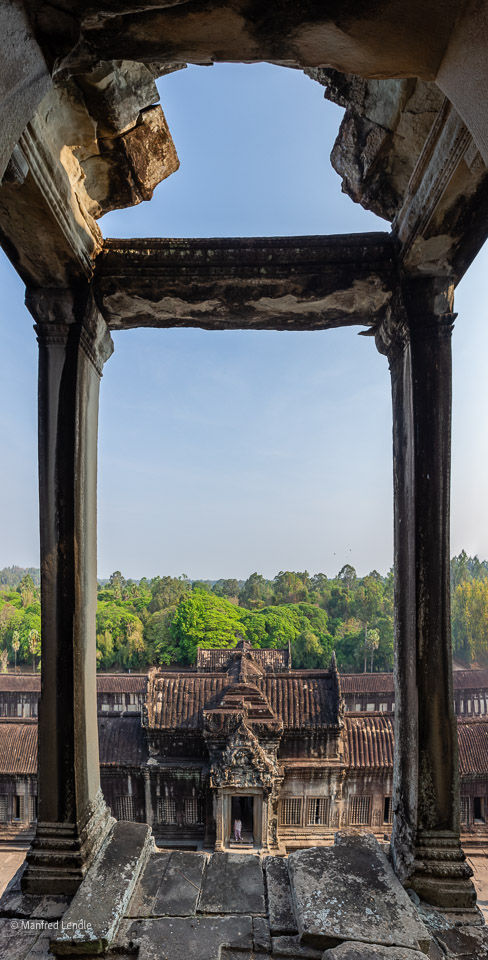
318 811
125 808
3 809
291 812
465 810
166 810
359 811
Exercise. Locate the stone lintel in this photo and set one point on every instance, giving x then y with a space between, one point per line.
93 917
285 283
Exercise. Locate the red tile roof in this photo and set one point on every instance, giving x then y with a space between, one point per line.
473 746
177 701
384 682
18 746
367 683
370 741
106 683
122 741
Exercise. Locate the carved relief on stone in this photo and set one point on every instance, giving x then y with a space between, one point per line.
244 763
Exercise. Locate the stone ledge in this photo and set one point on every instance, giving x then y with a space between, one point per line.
92 920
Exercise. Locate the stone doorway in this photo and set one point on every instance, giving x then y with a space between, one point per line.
242 808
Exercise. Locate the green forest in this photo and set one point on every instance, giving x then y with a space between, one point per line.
164 620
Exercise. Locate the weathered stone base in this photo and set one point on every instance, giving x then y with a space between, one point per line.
94 916
62 853
440 873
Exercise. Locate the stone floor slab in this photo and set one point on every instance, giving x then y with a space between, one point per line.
190 938
280 905
233 883
147 887
180 886
363 951
16 939
93 917
349 892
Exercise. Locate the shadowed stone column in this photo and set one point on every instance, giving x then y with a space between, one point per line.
426 848
74 343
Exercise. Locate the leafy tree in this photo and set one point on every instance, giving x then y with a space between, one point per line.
202 619
255 592
167 592
226 588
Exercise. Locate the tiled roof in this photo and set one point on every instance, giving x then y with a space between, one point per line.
122 741
106 683
470 679
302 701
20 683
473 746
18 746
367 683
178 701
218 660
384 682
122 683
370 741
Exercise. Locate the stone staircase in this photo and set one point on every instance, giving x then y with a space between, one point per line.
243 846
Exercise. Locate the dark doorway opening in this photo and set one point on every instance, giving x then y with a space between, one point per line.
479 809
242 808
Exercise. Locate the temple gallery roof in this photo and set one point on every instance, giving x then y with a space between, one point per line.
122 743
106 683
369 744
385 683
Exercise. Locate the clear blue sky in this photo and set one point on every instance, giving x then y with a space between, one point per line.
224 453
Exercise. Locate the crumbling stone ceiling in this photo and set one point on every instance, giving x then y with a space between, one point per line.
381 38
99 140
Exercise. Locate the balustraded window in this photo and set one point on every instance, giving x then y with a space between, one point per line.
191 811
125 808
166 810
359 811
318 811
465 810
291 812
3 809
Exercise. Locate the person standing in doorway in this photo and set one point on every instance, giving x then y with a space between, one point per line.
237 830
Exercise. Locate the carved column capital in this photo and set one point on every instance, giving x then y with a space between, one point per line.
71 314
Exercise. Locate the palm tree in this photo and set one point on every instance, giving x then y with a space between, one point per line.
33 646
15 647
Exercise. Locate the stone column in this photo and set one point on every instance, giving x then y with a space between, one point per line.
74 343
426 848
219 821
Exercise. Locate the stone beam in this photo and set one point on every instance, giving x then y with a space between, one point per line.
290 283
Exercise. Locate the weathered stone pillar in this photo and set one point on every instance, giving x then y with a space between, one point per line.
426 848
74 343
219 821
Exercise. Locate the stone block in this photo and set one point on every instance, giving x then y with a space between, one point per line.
293 947
465 943
260 935
363 951
280 904
233 883
142 901
190 938
349 892
180 885
91 922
